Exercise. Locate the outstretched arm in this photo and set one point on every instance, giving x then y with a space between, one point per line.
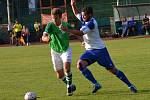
76 32
74 8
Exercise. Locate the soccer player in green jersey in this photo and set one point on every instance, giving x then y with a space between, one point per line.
61 53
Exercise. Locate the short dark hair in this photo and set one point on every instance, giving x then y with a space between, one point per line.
56 11
88 10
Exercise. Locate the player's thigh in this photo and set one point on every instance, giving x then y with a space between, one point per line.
67 56
104 59
82 63
67 59
18 34
56 60
87 58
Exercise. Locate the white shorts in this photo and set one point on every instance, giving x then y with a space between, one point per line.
58 59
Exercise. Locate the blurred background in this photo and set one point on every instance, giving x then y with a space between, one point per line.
107 12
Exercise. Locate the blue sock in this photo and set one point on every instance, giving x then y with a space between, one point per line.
87 73
122 77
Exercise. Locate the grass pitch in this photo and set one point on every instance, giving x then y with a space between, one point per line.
24 69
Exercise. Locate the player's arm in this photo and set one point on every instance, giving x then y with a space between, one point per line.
74 7
14 26
45 37
83 30
76 32
71 31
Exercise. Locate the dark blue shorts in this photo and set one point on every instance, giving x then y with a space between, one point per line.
101 56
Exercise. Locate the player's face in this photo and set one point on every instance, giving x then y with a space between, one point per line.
56 17
17 22
86 16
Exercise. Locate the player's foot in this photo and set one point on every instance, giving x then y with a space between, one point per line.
71 89
96 87
133 88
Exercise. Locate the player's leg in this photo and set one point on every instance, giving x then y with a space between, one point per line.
28 39
106 61
59 69
68 73
148 30
144 30
67 59
17 39
67 79
58 65
10 35
18 35
82 66
87 59
60 75
123 78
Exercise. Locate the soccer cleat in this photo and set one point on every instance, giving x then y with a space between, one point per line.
71 89
96 87
133 88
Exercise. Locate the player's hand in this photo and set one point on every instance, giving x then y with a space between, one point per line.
64 28
82 43
73 2
45 37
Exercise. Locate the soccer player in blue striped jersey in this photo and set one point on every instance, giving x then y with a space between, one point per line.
96 50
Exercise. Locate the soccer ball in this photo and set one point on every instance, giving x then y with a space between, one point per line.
30 96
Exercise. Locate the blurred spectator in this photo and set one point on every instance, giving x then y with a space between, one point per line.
37 26
17 29
22 41
37 30
124 27
26 35
11 34
146 25
131 27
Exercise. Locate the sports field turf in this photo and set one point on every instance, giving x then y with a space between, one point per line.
24 69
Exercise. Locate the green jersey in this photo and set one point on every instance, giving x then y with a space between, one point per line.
59 38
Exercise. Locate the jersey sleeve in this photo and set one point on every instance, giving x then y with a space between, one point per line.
90 25
84 29
87 27
48 28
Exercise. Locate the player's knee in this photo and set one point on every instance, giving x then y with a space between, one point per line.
81 65
60 75
113 70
